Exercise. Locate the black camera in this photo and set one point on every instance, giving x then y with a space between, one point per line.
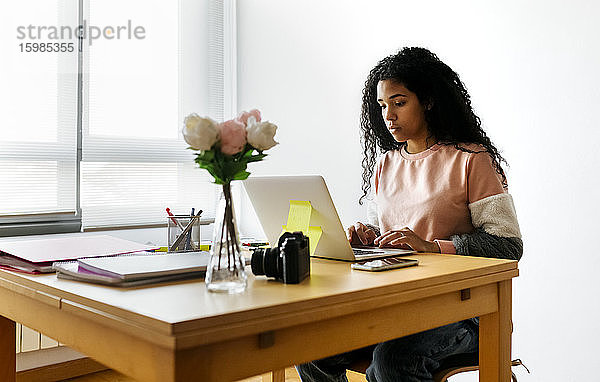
288 262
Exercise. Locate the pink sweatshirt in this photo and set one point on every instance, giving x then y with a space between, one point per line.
430 192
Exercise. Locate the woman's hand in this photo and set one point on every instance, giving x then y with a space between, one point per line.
360 234
405 237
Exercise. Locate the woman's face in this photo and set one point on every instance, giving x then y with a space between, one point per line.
402 112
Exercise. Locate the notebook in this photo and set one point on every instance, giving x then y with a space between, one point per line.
135 269
37 255
270 197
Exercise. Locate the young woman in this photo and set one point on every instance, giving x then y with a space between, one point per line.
438 187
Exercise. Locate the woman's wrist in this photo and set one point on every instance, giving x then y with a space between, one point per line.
433 247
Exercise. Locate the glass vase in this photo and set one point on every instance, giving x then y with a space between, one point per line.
225 273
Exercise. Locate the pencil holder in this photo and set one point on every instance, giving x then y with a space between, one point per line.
183 233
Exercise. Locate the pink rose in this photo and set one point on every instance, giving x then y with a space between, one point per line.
244 115
233 136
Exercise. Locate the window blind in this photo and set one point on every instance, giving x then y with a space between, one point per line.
135 162
38 120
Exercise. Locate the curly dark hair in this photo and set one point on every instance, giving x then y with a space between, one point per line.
450 117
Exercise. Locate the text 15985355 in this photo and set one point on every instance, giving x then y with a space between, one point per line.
47 47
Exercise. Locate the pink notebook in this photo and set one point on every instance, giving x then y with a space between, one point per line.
70 248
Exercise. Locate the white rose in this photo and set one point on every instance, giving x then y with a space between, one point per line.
200 133
260 135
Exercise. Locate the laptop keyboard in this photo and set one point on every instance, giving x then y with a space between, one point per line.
358 252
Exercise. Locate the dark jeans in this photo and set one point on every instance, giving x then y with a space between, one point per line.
413 358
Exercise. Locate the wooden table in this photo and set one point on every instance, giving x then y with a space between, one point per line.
180 332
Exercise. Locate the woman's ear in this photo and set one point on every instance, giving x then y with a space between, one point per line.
429 105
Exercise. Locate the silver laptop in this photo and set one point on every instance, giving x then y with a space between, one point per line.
270 197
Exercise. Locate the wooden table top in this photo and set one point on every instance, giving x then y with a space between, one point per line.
180 306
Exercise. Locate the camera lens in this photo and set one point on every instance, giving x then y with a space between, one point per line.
266 261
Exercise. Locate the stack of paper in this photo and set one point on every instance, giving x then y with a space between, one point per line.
135 269
37 255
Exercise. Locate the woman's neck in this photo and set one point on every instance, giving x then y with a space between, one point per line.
415 146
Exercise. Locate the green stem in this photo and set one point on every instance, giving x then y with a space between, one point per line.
229 228
220 247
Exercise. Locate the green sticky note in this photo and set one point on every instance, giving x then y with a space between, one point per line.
314 234
299 216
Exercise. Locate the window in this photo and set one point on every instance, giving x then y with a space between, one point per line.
38 136
143 66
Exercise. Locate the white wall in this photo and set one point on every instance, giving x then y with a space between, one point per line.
532 70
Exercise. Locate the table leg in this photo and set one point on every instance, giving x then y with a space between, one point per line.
274 376
8 355
495 338
279 375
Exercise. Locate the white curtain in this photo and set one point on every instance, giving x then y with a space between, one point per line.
135 92
135 163
38 136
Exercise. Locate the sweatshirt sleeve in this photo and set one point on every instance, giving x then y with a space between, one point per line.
493 215
497 232
483 244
